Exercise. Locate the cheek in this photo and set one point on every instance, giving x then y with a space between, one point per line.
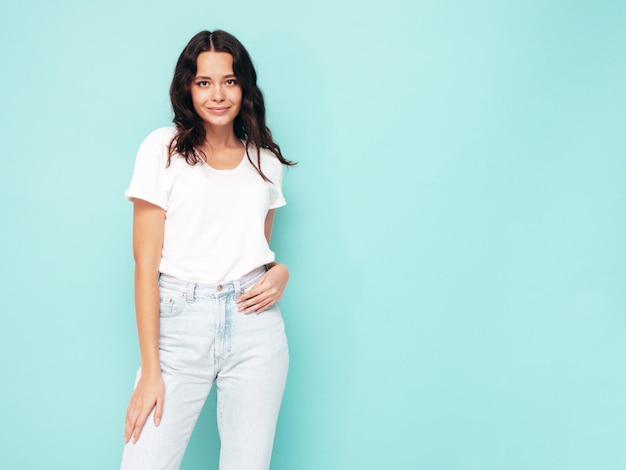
195 99
238 98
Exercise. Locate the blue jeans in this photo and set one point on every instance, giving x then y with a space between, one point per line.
202 339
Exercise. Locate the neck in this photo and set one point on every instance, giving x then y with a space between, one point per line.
222 137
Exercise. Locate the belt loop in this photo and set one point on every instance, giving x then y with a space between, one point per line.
190 291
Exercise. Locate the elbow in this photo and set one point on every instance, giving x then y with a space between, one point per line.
146 269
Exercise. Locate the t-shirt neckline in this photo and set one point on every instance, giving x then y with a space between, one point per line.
230 170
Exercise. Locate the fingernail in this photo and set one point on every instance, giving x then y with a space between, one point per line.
157 422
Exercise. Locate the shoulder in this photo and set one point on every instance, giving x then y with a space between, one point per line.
271 165
270 161
154 149
159 137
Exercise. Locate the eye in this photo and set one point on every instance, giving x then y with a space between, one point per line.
231 82
202 83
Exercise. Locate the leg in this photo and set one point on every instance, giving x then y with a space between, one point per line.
163 447
186 341
250 389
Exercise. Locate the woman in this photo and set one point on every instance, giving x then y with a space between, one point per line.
206 284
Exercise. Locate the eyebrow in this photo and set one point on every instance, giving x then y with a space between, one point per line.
204 77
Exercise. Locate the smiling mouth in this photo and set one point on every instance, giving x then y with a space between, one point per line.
218 110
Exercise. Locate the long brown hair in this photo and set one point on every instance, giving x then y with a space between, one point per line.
249 124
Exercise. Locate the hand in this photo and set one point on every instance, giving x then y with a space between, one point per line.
266 292
148 393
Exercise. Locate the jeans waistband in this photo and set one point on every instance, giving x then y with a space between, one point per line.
194 290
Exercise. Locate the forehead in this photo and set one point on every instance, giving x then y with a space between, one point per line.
218 64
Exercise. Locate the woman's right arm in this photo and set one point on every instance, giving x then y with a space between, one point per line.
148 225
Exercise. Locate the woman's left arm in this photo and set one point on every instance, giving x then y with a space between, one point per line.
270 287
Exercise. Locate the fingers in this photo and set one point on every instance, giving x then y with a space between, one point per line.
129 429
249 302
257 294
256 304
265 293
256 289
135 421
131 419
141 420
137 415
259 304
158 413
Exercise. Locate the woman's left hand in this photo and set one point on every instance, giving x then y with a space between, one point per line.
266 292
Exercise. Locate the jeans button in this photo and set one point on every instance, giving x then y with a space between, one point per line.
219 288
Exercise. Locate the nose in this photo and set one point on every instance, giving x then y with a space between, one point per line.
218 95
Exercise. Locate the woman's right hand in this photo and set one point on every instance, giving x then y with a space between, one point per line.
148 394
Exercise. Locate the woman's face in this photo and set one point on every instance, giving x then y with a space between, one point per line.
215 92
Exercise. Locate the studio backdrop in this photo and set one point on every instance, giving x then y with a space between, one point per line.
454 229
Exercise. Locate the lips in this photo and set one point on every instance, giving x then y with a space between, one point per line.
220 110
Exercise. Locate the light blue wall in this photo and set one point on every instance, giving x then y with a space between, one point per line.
455 227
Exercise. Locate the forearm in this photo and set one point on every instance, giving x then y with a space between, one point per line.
147 312
148 224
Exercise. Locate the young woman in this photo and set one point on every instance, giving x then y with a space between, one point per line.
206 284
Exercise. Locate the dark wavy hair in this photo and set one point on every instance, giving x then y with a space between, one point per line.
249 124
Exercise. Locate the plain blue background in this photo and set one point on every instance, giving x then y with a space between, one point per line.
455 228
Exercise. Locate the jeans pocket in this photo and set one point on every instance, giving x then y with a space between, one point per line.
171 302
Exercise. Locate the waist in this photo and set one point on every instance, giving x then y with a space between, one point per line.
194 289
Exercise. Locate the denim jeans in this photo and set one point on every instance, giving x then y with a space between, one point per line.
202 339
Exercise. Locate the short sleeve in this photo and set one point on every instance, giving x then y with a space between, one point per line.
151 181
276 175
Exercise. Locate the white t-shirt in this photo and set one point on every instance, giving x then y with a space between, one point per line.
214 219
